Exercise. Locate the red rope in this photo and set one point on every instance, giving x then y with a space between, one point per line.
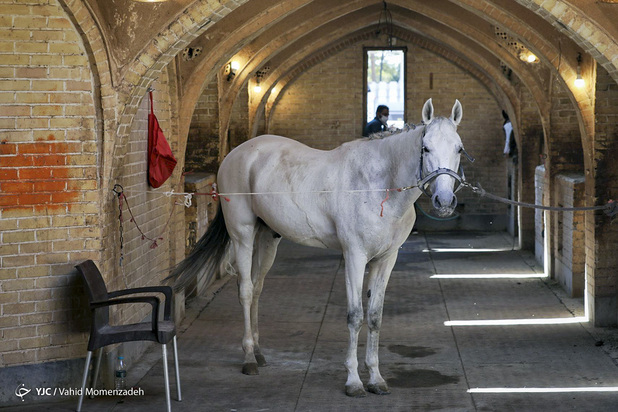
214 193
385 199
154 244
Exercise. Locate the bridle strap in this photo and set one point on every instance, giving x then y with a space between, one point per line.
422 185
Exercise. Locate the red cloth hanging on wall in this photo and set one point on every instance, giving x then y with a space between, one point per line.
161 160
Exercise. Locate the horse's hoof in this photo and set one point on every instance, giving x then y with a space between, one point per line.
355 391
261 360
379 388
250 369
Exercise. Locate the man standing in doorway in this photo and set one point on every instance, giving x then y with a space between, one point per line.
378 124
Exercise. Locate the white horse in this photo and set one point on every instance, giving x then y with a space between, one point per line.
314 198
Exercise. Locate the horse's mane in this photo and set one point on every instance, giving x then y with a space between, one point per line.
392 132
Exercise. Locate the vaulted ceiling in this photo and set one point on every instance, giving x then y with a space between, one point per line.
485 37
274 32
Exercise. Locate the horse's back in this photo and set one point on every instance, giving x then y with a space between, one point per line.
282 176
265 157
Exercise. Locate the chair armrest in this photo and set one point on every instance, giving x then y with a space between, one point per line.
166 290
152 300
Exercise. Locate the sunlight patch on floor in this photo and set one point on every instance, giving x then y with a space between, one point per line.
490 276
516 322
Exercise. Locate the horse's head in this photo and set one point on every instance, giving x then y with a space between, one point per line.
440 157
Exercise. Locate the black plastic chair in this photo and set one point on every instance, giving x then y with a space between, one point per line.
103 334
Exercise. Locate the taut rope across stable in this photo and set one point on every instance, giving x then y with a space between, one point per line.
610 208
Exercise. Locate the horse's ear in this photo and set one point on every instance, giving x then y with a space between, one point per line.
428 111
457 113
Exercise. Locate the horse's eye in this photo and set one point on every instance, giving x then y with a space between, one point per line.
460 150
425 149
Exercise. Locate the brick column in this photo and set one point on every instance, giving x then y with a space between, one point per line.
602 185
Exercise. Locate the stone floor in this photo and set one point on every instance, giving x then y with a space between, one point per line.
428 365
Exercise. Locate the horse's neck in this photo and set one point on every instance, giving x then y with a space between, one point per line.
402 154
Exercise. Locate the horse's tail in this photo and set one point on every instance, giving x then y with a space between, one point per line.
206 257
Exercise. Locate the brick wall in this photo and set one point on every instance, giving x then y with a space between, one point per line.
203 142
569 234
565 136
52 210
532 152
539 215
49 201
601 236
239 121
143 265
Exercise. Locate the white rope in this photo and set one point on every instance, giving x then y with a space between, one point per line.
191 194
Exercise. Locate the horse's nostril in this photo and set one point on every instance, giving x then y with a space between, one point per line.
436 202
454 202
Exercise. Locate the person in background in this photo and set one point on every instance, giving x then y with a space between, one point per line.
378 124
510 146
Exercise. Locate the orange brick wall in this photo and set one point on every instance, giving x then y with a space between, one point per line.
49 202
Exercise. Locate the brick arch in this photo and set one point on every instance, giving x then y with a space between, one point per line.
563 66
436 16
147 67
498 86
231 92
536 41
591 36
96 48
302 61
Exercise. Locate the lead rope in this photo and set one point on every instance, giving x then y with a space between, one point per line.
610 208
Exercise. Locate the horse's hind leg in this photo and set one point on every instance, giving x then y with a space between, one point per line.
379 274
264 252
243 236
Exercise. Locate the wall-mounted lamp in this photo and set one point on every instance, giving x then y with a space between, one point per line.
230 70
259 75
528 57
579 81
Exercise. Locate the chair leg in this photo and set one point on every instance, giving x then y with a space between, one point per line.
81 395
177 370
97 368
167 379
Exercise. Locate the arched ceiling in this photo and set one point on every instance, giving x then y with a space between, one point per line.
284 34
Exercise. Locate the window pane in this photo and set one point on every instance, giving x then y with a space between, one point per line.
385 84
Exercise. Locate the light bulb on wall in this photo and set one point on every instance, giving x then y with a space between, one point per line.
579 81
258 77
230 70
528 57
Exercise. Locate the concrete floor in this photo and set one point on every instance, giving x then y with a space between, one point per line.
428 366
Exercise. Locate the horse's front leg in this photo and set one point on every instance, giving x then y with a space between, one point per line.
354 272
379 273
